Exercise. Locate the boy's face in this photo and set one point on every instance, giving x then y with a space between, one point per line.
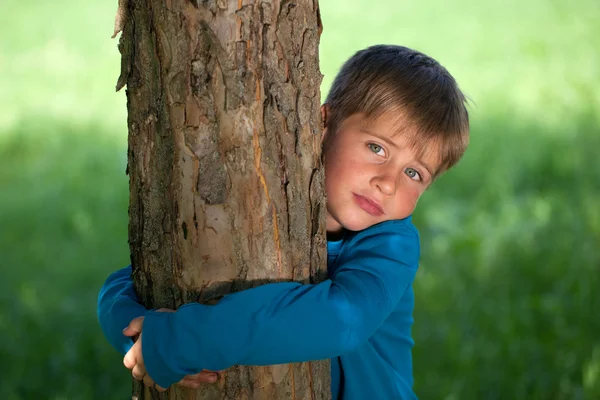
371 175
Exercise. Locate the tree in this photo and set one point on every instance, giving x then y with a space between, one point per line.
224 160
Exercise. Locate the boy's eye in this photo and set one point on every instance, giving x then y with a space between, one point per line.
413 174
375 148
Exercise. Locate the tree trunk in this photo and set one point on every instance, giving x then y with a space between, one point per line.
224 159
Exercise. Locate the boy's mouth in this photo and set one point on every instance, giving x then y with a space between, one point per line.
370 206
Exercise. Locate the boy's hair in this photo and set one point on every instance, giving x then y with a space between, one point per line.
395 80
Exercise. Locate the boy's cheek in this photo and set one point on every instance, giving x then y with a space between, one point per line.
416 195
409 201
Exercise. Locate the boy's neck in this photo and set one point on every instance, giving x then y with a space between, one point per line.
335 236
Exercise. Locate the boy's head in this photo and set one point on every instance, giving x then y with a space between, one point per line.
395 120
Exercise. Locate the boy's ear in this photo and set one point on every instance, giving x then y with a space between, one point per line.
324 120
324 114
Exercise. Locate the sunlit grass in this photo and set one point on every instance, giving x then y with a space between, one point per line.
57 60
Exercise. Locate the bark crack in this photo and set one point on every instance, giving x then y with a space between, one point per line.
257 162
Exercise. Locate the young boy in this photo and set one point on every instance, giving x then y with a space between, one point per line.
394 121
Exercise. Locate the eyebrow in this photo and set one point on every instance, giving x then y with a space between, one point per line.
391 143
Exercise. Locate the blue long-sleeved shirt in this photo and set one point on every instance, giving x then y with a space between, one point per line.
360 318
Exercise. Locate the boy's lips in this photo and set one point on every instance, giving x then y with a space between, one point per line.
370 206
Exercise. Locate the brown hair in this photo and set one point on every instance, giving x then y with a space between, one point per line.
429 106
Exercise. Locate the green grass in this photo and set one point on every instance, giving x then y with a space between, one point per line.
64 226
507 288
507 294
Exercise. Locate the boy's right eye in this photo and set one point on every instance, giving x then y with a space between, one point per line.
375 148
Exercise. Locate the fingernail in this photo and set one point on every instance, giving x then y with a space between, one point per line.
213 378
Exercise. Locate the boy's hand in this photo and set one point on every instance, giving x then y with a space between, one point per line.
194 381
135 362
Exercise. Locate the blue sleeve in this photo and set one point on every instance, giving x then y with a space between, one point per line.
288 322
117 305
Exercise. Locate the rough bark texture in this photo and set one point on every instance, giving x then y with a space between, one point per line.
224 161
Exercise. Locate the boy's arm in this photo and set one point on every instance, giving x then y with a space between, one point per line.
118 304
287 322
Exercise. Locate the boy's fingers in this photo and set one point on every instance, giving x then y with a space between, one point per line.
138 372
194 381
165 310
207 377
130 359
134 327
189 383
202 377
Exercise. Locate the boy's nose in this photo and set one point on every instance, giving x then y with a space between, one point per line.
385 184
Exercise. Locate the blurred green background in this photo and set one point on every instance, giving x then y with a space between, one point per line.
507 293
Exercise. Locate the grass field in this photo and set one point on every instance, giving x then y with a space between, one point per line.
507 292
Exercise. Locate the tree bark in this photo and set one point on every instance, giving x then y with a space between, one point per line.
224 159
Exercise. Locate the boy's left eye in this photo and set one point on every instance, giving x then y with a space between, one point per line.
375 148
413 174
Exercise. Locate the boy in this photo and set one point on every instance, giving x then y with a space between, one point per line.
394 121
